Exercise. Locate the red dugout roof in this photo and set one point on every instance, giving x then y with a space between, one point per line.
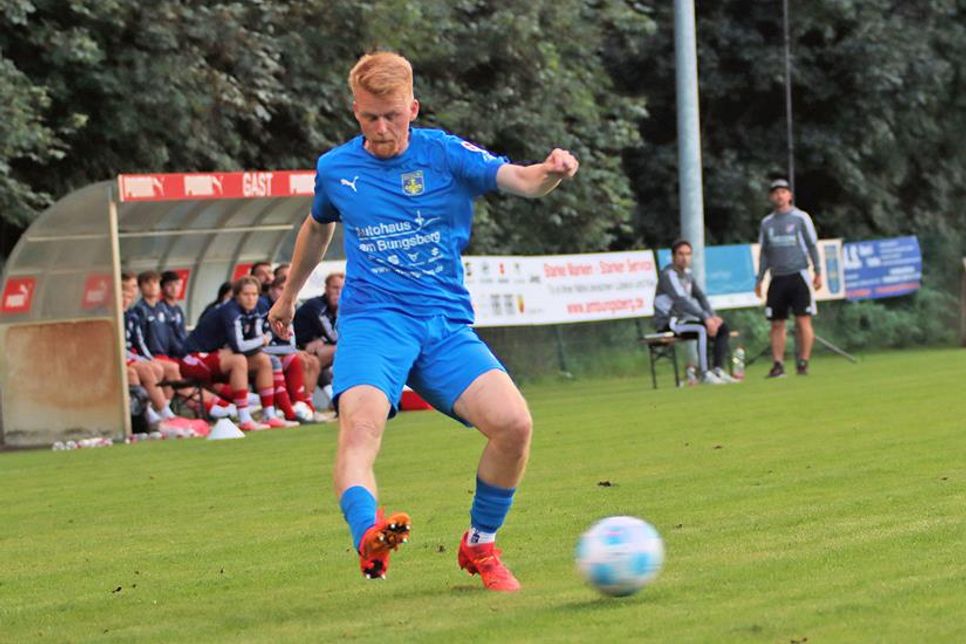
216 185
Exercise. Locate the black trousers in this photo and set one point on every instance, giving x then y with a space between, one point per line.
719 352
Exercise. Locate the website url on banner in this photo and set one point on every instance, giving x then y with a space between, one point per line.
606 306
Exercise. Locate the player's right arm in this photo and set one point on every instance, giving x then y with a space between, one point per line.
762 258
310 246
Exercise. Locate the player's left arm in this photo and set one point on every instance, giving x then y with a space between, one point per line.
811 243
538 179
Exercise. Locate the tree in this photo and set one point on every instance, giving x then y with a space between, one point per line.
178 86
878 91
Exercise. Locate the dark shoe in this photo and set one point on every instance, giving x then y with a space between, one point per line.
801 367
777 371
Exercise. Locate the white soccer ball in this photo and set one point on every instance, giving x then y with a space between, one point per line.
620 555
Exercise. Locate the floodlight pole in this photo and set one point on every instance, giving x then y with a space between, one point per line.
788 98
689 135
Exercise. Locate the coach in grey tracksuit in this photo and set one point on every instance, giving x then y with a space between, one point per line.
788 241
681 306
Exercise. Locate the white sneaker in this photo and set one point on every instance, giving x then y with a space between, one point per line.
302 412
709 378
223 411
724 376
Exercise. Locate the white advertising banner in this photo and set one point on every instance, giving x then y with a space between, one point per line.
513 290
560 289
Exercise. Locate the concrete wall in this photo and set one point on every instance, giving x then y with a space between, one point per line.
60 381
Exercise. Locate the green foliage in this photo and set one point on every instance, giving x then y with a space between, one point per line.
927 317
183 86
878 92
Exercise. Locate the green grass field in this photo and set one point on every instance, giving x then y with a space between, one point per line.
831 508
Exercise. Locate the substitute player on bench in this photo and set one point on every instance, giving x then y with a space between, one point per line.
405 198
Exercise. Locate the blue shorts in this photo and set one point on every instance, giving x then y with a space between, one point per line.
437 357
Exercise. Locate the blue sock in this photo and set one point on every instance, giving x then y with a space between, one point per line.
490 506
359 509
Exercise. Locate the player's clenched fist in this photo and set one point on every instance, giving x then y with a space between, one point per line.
561 163
280 317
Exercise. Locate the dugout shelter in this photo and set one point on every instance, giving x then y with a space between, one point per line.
62 368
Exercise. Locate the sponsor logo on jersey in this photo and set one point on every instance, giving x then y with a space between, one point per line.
413 183
472 148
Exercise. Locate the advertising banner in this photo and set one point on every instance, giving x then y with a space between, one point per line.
97 291
241 270
560 289
833 271
216 185
18 295
729 275
546 289
882 268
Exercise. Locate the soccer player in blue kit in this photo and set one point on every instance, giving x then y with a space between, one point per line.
405 198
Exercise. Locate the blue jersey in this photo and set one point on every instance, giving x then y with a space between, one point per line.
227 326
315 320
177 333
154 326
406 220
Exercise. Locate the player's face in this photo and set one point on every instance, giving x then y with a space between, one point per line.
264 274
781 198
150 289
333 290
127 296
171 289
385 120
130 288
247 298
682 257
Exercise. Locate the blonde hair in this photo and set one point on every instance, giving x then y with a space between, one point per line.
382 73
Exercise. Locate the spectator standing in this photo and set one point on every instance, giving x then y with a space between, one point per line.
788 241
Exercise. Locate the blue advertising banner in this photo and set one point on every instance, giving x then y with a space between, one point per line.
729 274
882 268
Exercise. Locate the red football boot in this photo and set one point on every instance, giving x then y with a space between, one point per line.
381 539
485 561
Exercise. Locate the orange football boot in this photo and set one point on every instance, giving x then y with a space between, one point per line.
386 535
485 561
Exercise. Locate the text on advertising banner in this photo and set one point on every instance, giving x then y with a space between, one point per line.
882 268
560 289
514 290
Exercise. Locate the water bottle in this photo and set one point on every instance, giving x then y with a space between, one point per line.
738 364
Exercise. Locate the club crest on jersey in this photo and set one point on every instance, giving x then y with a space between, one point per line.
413 183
